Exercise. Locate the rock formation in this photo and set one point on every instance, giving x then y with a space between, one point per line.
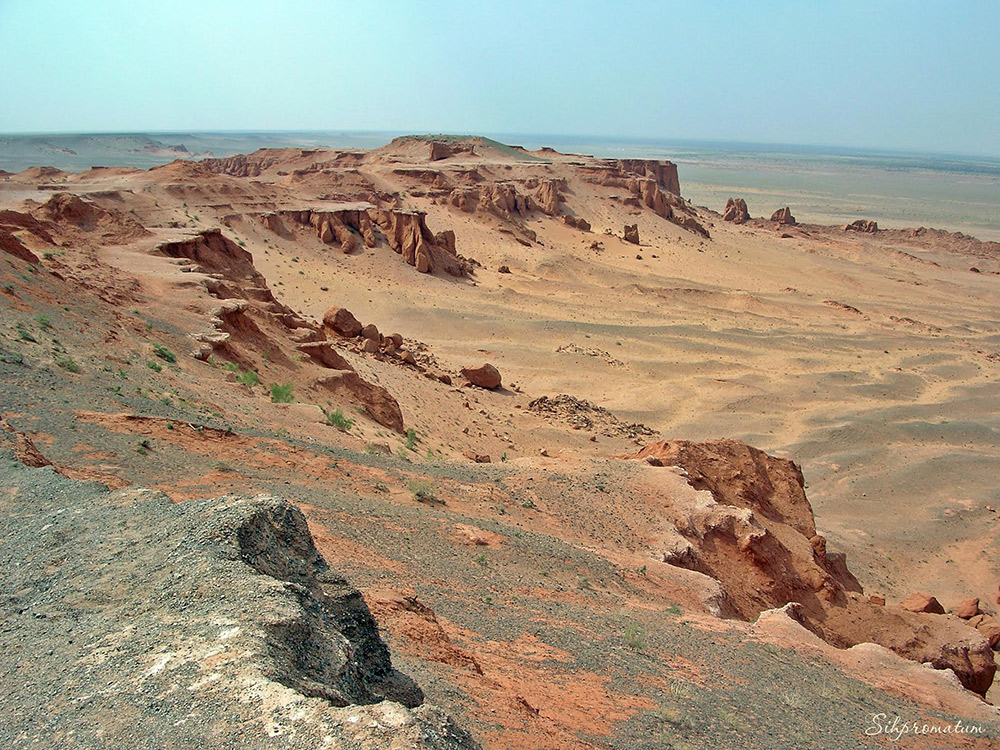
631 233
757 537
736 211
862 225
306 656
783 216
405 232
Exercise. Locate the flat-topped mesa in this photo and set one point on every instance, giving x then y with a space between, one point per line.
405 231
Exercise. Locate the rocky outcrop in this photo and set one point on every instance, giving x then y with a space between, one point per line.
664 173
484 376
231 268
736 211
324 354
631 233
783 216
501 199
405 232
548 197
377 402
754 533
306 656
11 245
862 225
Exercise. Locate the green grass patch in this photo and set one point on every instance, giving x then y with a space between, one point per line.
282 393
339 420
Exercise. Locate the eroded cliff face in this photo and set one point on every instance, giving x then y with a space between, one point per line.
405 232
755 534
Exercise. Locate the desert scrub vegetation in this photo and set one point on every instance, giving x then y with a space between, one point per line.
411 439
68 363
633 637
423 491
282 393
163 353
339 420
249 377
154 366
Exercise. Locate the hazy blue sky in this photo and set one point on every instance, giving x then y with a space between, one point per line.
902 75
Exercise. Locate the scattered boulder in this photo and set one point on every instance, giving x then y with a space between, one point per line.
503 269
407 356
632 233
783 216
485 376
370 331
862 225
342 322
576 222
736 211
370 346
478 458
968 609
920 602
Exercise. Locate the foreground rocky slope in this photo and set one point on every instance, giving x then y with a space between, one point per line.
132 621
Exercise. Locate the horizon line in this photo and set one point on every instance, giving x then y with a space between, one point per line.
652 140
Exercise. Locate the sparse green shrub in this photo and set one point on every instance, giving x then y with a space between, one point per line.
44 322
163 353
411 439
25 334
633 637
481 560
154 366
423 491
223 466
249 377
144 447
338 420
68 363
282 393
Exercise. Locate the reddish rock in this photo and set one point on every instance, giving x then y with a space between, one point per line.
861 225
370 346
783 216
407 357
477 457
576 222
342 322
323 353
736 211
990 630
485 376
503 269
370 331
632 233
378 403
920 602
9 243
967 609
